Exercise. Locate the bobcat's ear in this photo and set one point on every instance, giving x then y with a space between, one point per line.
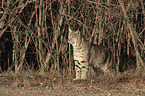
70 30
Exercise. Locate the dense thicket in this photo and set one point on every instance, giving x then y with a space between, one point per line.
33 33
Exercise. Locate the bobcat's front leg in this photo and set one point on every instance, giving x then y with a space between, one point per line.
84 70
78 70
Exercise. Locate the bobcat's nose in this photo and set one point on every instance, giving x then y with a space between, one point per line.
68 40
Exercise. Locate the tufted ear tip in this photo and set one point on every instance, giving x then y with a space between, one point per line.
70 30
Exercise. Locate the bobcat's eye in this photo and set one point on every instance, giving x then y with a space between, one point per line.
78 33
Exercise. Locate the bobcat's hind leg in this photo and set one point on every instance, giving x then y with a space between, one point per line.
78 71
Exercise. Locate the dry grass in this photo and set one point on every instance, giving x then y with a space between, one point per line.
55 84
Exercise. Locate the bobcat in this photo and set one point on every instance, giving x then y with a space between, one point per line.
86 54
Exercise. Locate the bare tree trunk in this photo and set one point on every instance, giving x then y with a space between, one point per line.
38 42
56 30
132 32
19 52
2 22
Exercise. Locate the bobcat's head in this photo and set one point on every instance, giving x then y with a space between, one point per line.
74 37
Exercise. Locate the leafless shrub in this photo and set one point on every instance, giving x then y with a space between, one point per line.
39 31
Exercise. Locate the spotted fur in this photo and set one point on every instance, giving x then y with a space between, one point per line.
86 54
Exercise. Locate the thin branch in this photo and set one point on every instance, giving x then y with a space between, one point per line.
8 11
132 31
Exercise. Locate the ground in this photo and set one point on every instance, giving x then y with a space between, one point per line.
56 85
